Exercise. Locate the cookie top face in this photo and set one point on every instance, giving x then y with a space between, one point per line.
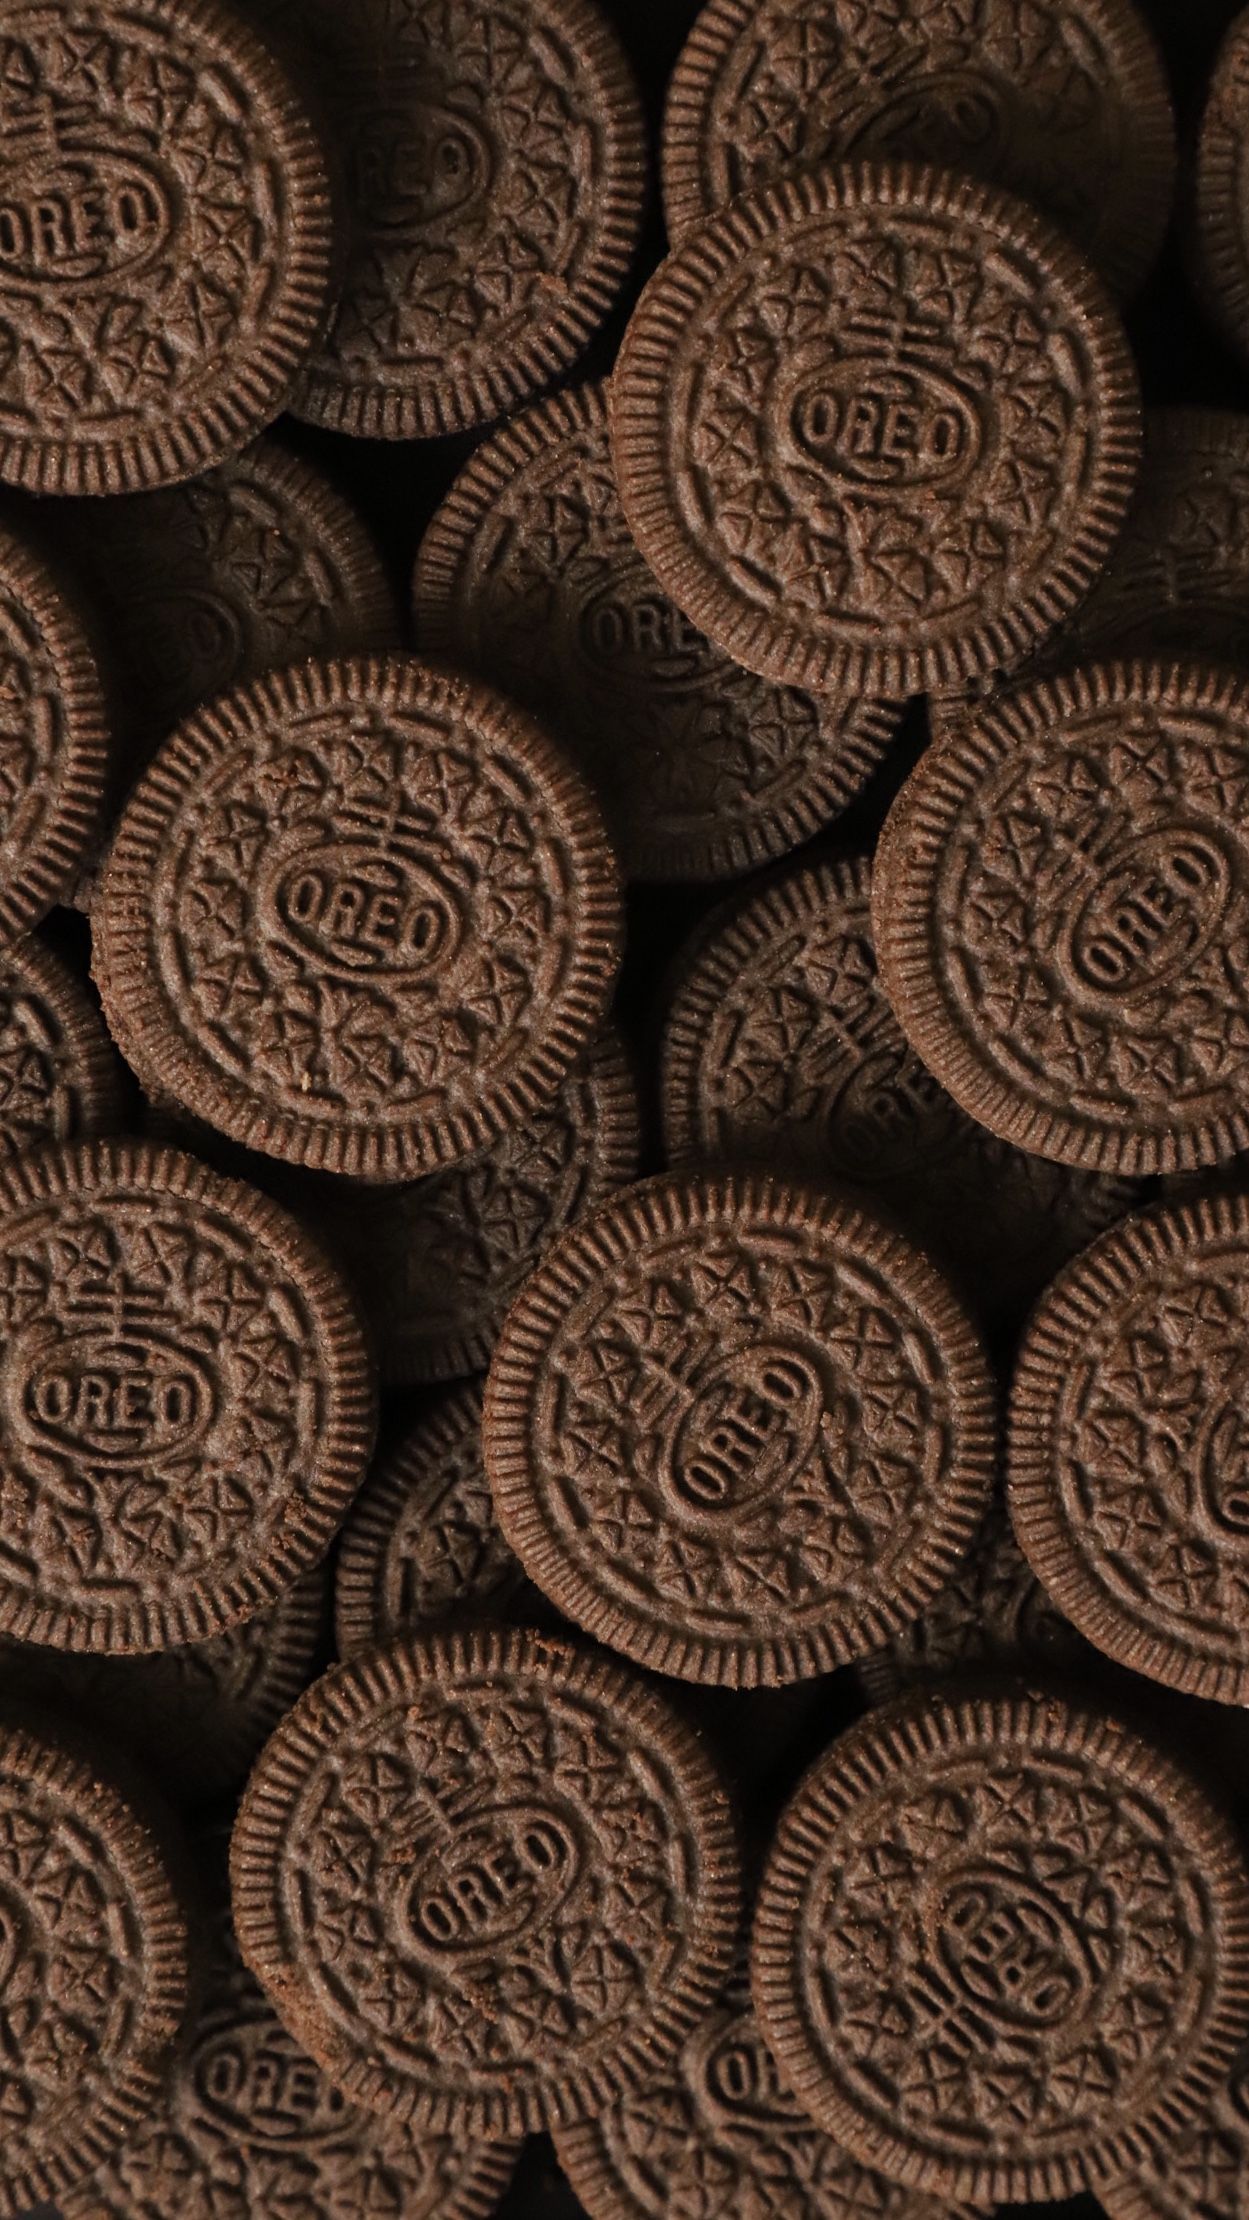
529 575
195 1716
1060 896
60 1078
1064 102
720 2131
1128 1448
257 563
1220 232
247 2124
495 168
436 1263
1205 2168
486 1879
1002 1946
359 915
422 1540
186 1407
779 1046
165 242
53 740
875 430
737 1429
93 1968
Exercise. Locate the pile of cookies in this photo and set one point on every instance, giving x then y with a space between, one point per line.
624 1077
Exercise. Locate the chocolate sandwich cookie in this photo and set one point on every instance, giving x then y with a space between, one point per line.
247 2126
1220 213
165 242
875 430
53 736
1129 1445
186 1407
719 2132
529 575
1205 2169
194 1716
1002 1946
93 1967
60 1076
738 1429
360 915
1065 102
200 586
1060 900
422 1540
488 1880
780 1047
494 166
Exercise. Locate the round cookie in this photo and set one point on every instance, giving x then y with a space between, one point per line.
186 1407
247 2126
60 1077
780 1047
1128 1455
93 1967
875 430
738 1429
1220 216
719 2132
194 1716
165 242
1064 102
1002 1946
422 1540
495 166
53 740
488 1880
1205 2169
1059 903
528 574
436 1263
359 915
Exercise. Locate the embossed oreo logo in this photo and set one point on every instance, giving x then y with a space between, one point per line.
117 1400
901 426
363 911
631 628
190 640
503 1870
747 1431
942 118
888 1115
417 164
1012 1950
1156 906
735 2079
88 216
254 2085
1224 1469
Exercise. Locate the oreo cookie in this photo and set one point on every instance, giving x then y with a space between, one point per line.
1205 2168
60 1076
1218 223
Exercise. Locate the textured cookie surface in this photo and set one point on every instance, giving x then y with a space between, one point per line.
738 1430
487 1880
165 242
359 915
60 1079
185 1401
1220 240
1204 2170
528 574
1060 899
53 741
1001 1946
875 429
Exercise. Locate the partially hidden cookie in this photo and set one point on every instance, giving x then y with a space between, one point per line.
528 575
195 1715
738 1429
422 1540
1065 102
186 1405
875 429
246 2125
360 915
60 1076
779 1047
1002 1946
1128 1453
93 1967
165 242
1219 218
718 2131
54 737
487 1880
1204 2168
1060 899
494 166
